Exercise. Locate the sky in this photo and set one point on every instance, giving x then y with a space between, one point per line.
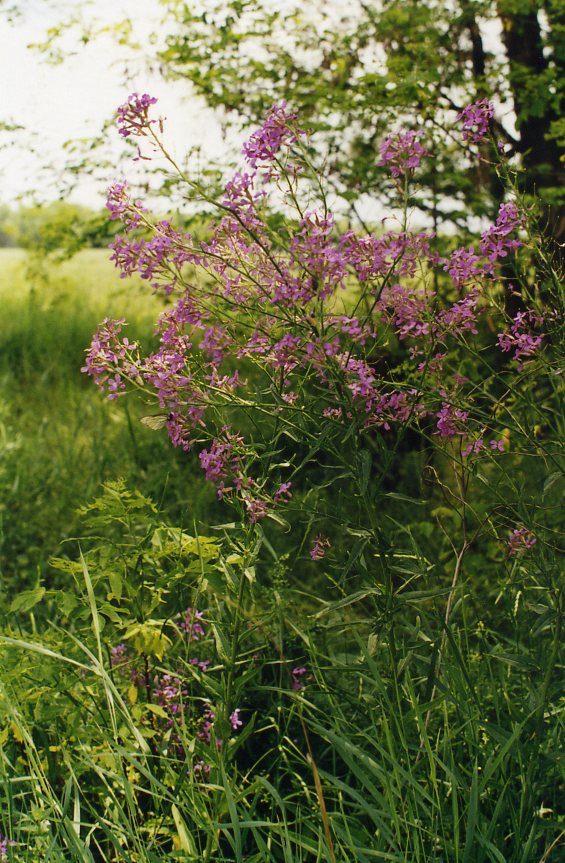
71 100
55 103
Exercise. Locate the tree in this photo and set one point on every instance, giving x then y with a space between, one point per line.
354 74
536 75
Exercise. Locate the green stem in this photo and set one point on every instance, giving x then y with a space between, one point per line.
549 671
235 641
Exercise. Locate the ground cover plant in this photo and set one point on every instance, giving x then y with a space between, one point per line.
359 658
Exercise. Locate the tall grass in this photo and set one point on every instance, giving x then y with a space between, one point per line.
362 764
58 440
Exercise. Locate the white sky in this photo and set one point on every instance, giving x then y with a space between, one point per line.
72 100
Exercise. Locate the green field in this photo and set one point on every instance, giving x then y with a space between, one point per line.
59 439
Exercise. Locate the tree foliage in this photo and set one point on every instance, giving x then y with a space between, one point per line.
353 72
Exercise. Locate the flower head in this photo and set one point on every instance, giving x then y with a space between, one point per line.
476 120
297 675
319 546
235 721
520 338
133 115
521 539
192 624
119 658
278 129
4 844
402 152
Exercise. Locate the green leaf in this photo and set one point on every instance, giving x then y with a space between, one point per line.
116 585
222 643
551 480
149 639
186 839
215 582
26 600
157 710
472 816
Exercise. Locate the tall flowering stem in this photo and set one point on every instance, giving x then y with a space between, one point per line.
277 322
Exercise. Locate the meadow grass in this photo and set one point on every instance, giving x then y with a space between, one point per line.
58 439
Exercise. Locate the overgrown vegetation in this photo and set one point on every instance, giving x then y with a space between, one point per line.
326 624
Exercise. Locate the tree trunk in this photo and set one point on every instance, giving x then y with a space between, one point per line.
522 37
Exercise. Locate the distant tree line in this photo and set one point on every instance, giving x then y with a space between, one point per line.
56 227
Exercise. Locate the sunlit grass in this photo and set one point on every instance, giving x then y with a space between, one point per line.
59 439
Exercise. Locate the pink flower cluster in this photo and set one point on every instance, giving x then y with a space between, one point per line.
4 845
193 624
133 115
468 268
108 353
521 539
497 241
251 298
319 547
297 675
477 446
476 120
264 144
402 152
118 201
520 338
377 257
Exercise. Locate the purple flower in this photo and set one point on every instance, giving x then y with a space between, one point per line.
407 308
319 546
202 664
170 694
206 724
464 266
133 115
279 128
494 241
118 200
400 251
221 461
473 448
314 249
4 845
451 421
201 769
192 624
521 539
235 721
476 120
461 317
119 658
397 407
108 354
282 493
297 675
519 337
242 199
257 509
498 445
402 152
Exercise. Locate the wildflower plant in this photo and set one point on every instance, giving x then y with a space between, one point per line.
278 328
379 411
